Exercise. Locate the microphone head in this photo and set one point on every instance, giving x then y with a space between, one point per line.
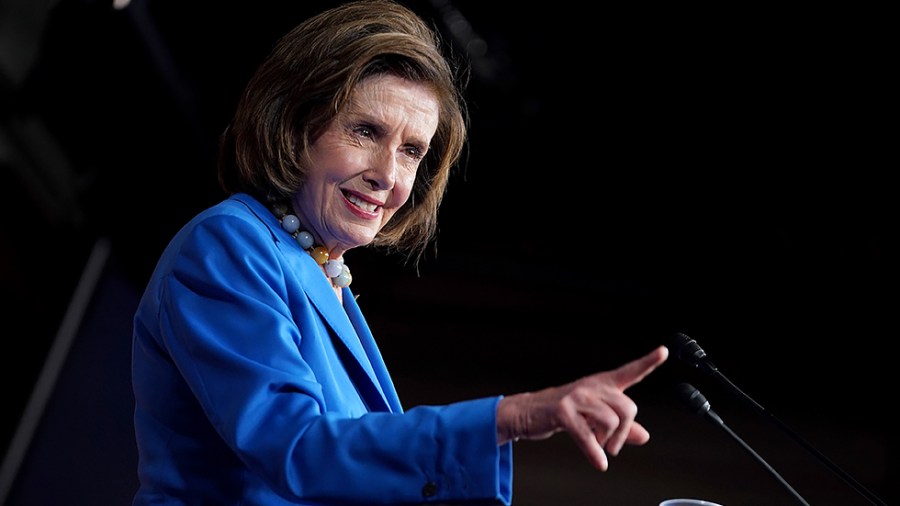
692 399
687 349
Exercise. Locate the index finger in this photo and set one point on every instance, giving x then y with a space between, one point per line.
636 370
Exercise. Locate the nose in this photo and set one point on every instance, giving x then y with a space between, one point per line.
382 173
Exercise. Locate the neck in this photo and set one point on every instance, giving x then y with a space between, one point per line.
333 266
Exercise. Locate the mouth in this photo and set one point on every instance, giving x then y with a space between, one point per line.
368 207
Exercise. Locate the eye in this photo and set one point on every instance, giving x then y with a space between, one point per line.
415 152
364 131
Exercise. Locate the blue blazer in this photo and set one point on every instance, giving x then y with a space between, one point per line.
254 385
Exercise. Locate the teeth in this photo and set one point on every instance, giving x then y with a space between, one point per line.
365 205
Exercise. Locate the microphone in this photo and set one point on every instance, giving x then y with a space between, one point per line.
687 350
697 403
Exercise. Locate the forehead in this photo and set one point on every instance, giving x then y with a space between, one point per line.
396 100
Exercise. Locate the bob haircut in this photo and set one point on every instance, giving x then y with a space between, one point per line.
308 78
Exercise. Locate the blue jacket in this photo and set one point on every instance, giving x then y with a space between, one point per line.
254 386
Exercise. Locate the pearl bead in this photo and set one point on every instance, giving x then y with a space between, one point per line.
305 239
290 223
334 267
343 279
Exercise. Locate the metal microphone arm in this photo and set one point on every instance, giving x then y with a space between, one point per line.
694 401
689 351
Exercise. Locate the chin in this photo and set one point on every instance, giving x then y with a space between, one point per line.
357 241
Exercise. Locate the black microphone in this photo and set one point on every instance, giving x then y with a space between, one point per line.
697 403
687 350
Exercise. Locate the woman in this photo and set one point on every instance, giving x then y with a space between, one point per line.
256 377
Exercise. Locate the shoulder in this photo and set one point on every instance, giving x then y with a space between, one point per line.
240 207
240 216
234 230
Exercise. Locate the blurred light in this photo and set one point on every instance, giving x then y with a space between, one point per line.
120 4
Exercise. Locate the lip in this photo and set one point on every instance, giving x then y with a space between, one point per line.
358 211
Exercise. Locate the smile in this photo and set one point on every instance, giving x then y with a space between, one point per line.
362 204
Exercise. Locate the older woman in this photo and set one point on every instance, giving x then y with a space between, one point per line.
256 377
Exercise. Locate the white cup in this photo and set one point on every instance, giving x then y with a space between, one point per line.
688 502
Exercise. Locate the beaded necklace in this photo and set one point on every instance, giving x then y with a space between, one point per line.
336 270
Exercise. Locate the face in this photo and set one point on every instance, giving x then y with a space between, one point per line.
364 164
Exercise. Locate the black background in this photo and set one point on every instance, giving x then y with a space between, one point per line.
631 173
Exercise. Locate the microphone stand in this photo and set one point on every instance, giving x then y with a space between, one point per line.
689 351
796 437
695 401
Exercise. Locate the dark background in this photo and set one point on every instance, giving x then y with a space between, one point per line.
631 173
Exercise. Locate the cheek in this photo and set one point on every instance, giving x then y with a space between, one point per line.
403 187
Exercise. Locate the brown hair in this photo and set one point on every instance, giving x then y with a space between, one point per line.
308 78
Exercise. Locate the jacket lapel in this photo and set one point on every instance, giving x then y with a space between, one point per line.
347 327
349 337
370 348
